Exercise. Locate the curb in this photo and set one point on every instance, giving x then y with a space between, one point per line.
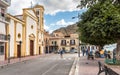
77 67
9 64
21 61
73 68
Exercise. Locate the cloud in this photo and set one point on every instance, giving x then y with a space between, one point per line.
56 25
50 31
51 6
54 6
17 6
62 23
46 27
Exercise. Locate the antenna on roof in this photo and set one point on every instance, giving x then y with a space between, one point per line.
31 4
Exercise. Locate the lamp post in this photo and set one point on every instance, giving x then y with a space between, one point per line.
79 50
78 16
8 38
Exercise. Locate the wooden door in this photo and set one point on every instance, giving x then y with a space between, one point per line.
31 47
18 51
39 50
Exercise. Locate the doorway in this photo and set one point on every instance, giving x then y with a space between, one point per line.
39 50
31 47
18 51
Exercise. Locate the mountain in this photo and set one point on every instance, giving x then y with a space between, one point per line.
68 30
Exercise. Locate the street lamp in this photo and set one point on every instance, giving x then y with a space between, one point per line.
78 16
8 38
79 50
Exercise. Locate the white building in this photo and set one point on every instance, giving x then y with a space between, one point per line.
3 28
26 32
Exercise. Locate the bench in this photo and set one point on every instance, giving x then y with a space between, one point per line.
103 68
110 72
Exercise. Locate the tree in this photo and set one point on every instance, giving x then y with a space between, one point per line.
101 24
89 3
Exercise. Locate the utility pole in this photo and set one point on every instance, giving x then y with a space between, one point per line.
78 16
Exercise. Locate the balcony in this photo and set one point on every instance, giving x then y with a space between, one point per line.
63 44
5 3
3 37
72 44
3 18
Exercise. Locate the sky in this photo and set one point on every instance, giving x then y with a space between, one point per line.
58 13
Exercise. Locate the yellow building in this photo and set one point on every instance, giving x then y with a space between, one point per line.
27 32
67 43
46 42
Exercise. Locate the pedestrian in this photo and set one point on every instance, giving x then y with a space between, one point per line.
91 55
105 54
61 53
86 51
102 53
83 51
114 55
109 55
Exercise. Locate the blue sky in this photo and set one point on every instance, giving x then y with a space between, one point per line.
58 13
61 19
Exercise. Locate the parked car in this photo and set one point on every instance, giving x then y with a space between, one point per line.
73 51
67 51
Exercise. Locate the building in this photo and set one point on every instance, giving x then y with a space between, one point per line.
70 42
67 43
27 33
46 42
3 28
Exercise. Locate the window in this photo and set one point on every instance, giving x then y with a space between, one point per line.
19 35
37 12
1 50
52 42
56 34
72 42
63 42
2 12
55 42
2 37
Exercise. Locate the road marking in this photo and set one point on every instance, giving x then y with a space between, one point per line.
50 69
73 68
56 58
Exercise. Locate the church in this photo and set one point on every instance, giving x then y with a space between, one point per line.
26 33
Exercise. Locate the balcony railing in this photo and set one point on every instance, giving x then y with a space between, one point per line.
63 44
3 37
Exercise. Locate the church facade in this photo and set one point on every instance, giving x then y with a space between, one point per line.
26 33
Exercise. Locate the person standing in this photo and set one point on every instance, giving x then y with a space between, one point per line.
114 55
61 53
105 54
109 55
86 52
83 51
